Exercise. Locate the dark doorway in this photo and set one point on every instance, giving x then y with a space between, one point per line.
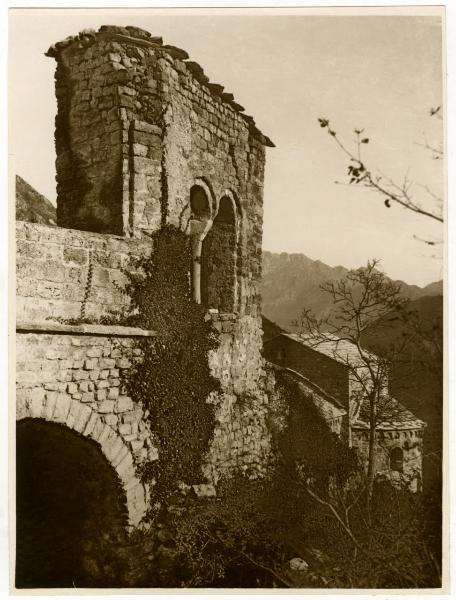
70 510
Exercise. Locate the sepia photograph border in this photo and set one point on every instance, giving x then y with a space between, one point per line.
323 8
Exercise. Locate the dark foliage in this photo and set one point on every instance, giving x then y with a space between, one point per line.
308 443
174 381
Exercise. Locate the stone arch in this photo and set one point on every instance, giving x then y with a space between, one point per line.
235 200
201 184
80 418
219 260
240 235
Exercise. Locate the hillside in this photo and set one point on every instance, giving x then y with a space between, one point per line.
417 378
292 282
32 206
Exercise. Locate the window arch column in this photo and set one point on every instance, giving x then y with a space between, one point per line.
200 224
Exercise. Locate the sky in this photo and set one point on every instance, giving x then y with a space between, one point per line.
379 73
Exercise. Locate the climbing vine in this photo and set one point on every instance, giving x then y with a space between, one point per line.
173 382
87 289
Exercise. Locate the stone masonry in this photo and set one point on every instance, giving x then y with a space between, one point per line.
139 128
75 380
58 269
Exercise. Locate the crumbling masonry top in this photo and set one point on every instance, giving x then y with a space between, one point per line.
141 37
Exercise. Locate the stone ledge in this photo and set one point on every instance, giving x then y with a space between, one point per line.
83 329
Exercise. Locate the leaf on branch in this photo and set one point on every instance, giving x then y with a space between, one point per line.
387 203
323 122
331 132
359 131
365 141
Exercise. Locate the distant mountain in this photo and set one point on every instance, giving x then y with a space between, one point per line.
292 282
433 289
32 206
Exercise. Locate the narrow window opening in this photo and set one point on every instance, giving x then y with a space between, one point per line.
397 460
218 260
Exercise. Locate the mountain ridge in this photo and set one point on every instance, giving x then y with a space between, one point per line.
292 282
32 206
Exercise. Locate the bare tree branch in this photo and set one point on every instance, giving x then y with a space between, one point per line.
360 174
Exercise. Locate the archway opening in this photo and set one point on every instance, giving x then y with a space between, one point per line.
218 260
71 514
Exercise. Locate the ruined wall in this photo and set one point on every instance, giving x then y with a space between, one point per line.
76 380
99 149
138 126
242 438
58 270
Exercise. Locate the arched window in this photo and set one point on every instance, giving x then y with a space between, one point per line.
199 203
200 224
397 460
218 260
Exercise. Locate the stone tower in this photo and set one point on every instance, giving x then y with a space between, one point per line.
144 139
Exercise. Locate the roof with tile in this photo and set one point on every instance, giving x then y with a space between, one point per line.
391 415
340 350
328 406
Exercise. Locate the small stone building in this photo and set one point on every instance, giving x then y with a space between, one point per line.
329 364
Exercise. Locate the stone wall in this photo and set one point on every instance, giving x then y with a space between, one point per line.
76 380
71 374
207 139
138 127
410 441
58 270
59 371
242 438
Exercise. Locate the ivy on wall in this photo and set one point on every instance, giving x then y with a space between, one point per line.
307 440
173 382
